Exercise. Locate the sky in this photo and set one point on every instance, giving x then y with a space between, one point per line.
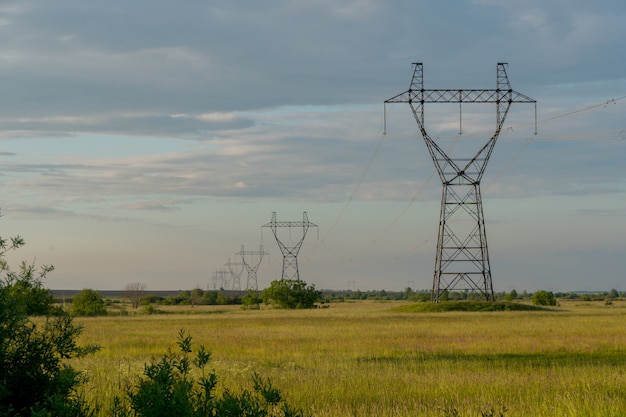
149 141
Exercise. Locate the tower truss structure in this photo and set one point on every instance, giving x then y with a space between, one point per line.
290 253
252 263
221 279
235 269
462 258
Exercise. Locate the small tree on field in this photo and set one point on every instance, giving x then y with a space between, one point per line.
135 292
291 293
511 296
251 301
88 303
544 298
196 296
613 294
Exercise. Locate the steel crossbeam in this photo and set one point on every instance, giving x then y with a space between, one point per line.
460 96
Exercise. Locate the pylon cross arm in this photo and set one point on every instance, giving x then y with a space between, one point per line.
460 96
289 224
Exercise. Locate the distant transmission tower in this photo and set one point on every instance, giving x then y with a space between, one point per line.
221 279
252 265
236 269
462 259
290 253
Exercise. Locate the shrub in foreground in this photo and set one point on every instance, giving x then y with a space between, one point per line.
35 380
168 388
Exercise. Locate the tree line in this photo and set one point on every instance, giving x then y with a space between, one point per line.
288 294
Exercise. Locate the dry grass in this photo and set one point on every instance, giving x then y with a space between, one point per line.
366 359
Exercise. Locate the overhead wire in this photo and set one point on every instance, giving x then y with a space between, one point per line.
375 150
354 191
602 104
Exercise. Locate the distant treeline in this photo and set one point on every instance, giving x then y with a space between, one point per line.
198 296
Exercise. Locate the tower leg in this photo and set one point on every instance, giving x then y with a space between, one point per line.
290 266
462 259
252 283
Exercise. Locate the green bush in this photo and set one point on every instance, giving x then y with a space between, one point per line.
150 309
25 285
251 301
291 293
511 296
168 388
34 378
88 303
482 306
544 298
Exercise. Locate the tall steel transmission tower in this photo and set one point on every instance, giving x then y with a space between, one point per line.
462 259
290 253
252 265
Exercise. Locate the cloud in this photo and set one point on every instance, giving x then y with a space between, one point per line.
167 112
156 125
153 205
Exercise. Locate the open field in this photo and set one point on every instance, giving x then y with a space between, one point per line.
368 359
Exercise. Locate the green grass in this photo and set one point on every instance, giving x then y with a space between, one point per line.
381 359
470 306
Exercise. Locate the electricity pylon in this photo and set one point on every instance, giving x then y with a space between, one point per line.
236 269
252 265
290 253
220 279
462 259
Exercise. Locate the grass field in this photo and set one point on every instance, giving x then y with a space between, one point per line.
372 359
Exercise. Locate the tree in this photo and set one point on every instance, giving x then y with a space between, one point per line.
613 294
209 297
26 285
291 293
135 292
511 296
544 298
34 378
88 303
251 301
196 296
221 299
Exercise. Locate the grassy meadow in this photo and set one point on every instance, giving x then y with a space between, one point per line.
373 359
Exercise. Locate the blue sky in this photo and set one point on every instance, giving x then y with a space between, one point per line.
149 140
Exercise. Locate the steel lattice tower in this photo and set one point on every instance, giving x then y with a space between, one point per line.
236 269
252 266
220 279
290 253
462 259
